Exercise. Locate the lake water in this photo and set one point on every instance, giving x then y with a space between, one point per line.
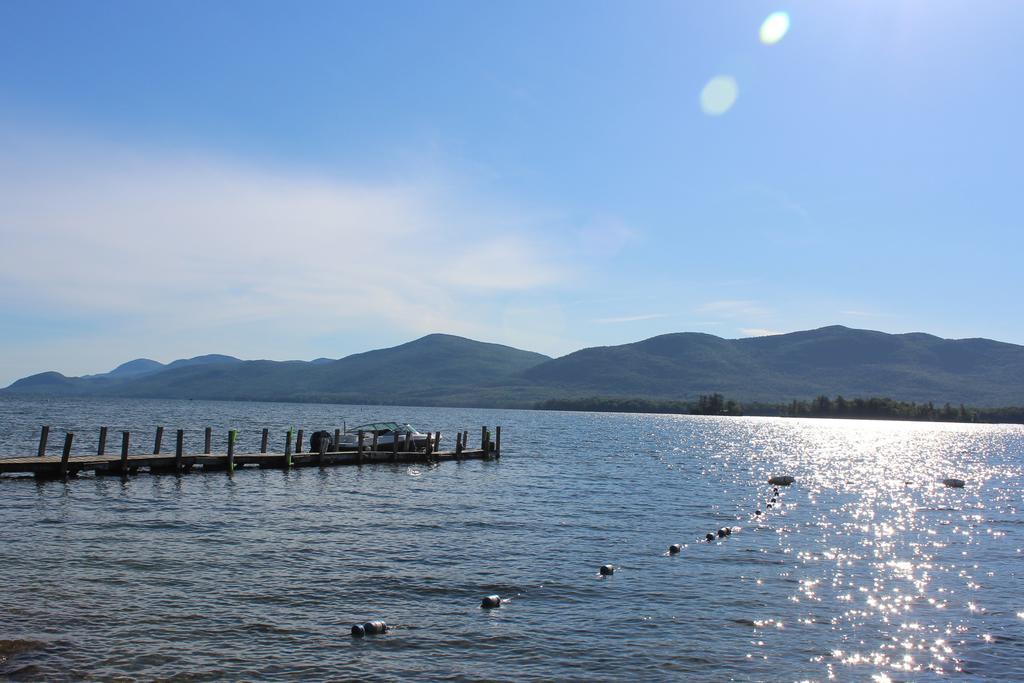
866 567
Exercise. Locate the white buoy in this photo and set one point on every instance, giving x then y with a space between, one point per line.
607 569
491 601
370 628
954 483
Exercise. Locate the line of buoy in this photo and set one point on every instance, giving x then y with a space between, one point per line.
370 628
378 627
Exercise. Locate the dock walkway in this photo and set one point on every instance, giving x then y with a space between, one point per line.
51 465
66 465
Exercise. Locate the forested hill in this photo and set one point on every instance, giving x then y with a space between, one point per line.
447 370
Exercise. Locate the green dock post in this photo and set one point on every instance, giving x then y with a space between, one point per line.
231 451
288 451
179 450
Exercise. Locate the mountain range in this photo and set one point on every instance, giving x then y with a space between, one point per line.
442 369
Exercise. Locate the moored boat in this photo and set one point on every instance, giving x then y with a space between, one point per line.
409 438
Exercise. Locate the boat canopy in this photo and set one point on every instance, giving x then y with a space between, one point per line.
384 428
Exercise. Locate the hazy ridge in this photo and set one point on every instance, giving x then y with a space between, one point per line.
442 369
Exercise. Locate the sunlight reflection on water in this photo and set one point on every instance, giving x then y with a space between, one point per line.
866 567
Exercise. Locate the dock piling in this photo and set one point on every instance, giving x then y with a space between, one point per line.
231 451
208 441
125 437
288 450
394 446
298 442
359 448
408 442
323 451
157 440
458 446
263 441
483 439
66 454
497 441
101 448
373 446
43 435
337 438
179 450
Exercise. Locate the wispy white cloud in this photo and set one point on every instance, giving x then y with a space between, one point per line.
630 318
189 244
733 308
605 237
757 332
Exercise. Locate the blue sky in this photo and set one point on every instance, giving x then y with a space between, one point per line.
294 180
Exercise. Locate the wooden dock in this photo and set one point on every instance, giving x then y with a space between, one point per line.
179 462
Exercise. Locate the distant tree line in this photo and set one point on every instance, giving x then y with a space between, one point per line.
875 408
711 404
889 409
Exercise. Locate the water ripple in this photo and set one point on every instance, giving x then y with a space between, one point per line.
867 567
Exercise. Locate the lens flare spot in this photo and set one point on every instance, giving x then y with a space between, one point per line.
719 95
774 28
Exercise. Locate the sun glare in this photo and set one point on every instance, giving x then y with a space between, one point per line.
719 95
774 28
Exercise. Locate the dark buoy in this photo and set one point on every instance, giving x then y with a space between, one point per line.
709 537
370 628
954 483
757 512
781 480
607 569
769 505
675 548
722 533
728 530
775 490
491 601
